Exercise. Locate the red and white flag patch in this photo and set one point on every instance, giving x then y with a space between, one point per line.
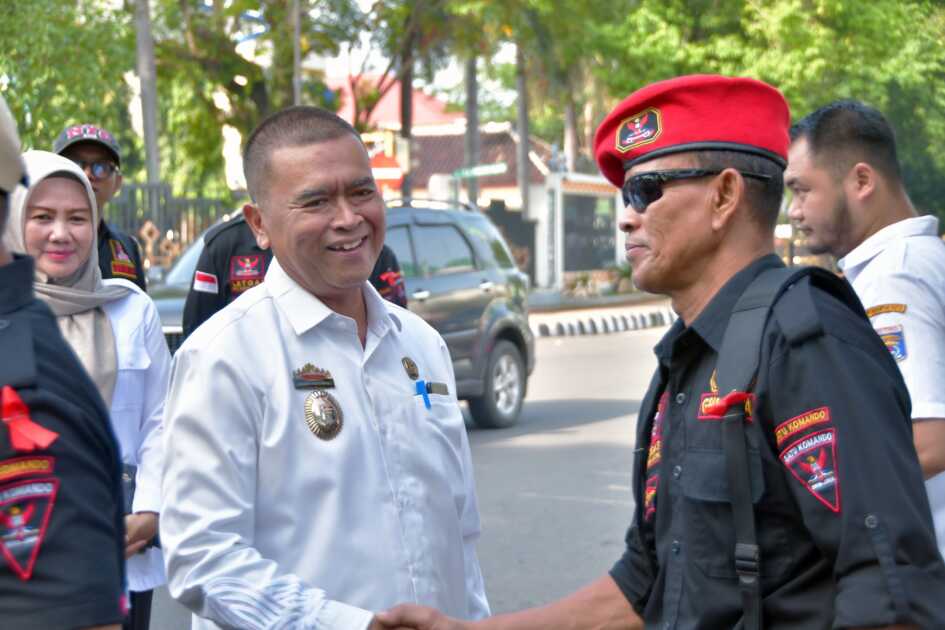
206 282
813 461
25 508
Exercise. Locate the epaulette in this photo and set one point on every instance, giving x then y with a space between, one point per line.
796 312
236 219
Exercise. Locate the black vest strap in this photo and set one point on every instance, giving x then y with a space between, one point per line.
737 367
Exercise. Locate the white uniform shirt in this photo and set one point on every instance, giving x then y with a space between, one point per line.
266 525
899 275
136 411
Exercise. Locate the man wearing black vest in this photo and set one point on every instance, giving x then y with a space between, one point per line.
826 481
61 519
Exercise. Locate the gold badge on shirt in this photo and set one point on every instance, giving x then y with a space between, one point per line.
323 414
411 367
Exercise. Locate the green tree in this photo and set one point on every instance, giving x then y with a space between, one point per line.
886 52
65 63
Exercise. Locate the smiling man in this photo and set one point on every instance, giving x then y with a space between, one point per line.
318 467
828 481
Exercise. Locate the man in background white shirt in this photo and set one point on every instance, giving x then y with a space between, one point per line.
849 201
317 462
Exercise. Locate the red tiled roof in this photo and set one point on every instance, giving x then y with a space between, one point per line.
427 110
444 154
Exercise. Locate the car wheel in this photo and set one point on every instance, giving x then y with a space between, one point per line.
504 391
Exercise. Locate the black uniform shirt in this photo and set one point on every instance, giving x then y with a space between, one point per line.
119 255
231 262
841 512
61 524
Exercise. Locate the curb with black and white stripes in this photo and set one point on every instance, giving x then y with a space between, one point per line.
600 322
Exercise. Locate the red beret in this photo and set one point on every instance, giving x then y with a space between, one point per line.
693 113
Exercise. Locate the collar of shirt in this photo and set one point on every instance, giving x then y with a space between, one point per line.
16 283
305 311
711 323
853 263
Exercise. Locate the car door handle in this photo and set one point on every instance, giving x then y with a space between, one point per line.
421 295
486 286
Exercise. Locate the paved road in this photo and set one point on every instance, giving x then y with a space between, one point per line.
554 490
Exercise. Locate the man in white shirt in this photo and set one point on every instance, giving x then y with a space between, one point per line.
317 463
849 201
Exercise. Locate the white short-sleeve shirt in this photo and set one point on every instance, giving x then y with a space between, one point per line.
267 525
136 410
899 275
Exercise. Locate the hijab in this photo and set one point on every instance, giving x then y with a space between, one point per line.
76 301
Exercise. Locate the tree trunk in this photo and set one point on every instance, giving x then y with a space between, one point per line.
148 76
472 128
570 134
523 162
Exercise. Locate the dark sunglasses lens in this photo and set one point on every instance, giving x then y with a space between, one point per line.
641 191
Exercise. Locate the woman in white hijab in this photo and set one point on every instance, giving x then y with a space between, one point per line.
115 331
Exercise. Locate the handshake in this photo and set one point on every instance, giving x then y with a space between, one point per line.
414 617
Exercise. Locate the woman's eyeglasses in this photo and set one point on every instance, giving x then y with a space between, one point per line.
641 190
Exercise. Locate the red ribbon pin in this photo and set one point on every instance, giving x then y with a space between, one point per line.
720 408
25 435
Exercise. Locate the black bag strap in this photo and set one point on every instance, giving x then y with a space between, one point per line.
736 368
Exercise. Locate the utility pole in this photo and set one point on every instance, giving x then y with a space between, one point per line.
472 144
296 54
523 131
147 74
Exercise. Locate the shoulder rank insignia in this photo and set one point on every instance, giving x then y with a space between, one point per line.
895 340
879 309
310 377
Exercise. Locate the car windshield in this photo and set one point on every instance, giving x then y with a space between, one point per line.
182 272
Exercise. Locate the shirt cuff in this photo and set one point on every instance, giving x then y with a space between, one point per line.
335 615
146 500
923 410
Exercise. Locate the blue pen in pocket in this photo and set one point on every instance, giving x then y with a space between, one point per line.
422 391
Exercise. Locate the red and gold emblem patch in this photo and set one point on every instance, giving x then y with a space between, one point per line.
246 271
798 424
653 457
711 398
813 461
122 264
639 129
25 508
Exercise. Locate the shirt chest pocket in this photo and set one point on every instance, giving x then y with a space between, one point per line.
708 515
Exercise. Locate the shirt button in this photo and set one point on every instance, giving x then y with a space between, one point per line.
677 472
871 521
680 398
676 547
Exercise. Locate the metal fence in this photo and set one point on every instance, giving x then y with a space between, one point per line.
164 224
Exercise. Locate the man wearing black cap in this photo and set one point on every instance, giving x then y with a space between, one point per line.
61 518
99 155
776 485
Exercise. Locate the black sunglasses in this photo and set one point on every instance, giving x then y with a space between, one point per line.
641 190
100 169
